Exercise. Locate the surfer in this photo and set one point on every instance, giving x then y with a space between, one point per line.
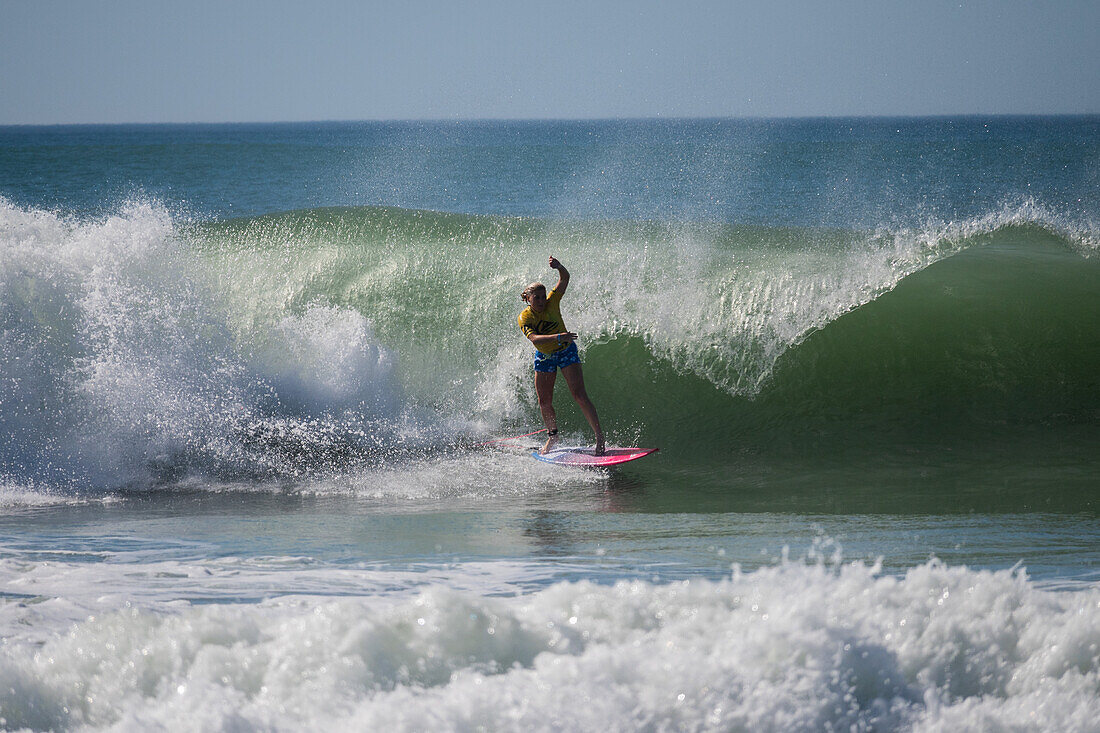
555 348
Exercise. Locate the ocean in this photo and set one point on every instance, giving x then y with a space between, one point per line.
247 373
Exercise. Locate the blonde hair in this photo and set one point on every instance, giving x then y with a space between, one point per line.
529 291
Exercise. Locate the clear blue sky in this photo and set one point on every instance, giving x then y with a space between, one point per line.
260 60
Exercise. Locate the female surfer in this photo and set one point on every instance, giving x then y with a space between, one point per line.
542 324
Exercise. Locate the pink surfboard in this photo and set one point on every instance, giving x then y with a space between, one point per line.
569 456
586 456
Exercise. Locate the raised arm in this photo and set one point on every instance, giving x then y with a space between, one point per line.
563 275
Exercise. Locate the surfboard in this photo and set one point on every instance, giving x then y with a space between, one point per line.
568 455
565 456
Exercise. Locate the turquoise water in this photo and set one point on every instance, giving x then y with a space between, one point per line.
246 370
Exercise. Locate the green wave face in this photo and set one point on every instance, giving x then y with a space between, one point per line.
700 336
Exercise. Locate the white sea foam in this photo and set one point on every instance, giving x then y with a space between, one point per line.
16 493
481 473
119 363
327 360
785 648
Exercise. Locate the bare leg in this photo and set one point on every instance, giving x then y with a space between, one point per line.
544 389
574 377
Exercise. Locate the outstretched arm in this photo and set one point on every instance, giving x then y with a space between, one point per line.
563 275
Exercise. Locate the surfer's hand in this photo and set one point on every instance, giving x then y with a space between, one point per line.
568 337
554 264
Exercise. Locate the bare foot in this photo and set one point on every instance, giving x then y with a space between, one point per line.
600 450
550 443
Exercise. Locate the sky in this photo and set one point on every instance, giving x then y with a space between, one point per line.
112 61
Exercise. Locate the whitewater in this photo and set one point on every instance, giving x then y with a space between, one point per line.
246 373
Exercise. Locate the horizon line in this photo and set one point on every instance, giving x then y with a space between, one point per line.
459 120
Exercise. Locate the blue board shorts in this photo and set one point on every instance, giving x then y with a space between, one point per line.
552 362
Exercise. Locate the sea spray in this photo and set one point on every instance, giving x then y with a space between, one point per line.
120 365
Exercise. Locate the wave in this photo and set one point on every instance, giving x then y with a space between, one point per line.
141 347
985 320
796 646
